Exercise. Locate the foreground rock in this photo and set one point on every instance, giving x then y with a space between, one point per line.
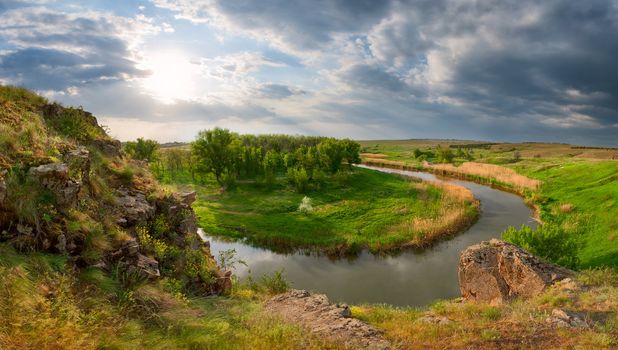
496 271
314 312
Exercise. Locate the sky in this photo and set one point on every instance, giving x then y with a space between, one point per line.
496 70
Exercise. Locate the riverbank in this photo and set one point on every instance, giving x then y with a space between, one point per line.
371 210
577 194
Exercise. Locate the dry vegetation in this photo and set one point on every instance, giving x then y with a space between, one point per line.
458 211
519 325
488 171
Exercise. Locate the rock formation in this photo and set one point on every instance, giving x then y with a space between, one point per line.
495 271
316 313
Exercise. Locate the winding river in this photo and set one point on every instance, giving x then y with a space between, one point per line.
412 278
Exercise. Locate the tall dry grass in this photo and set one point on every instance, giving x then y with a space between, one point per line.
457 211
490 171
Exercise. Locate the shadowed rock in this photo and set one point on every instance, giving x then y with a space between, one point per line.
496 271
314 312
55 177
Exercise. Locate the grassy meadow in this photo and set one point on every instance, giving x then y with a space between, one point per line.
365 209
573 187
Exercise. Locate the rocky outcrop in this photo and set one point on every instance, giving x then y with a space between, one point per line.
566 319
133 208
129 257
496 271
79 159
316 313
55 178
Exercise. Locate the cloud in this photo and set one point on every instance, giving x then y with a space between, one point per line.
57 50
292 26
278 91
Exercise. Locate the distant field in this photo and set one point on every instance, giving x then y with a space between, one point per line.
579 184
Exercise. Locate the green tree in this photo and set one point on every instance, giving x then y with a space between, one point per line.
351 152
331 154
215 151
142 149
444 155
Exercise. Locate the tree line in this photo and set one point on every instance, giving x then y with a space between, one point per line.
305 161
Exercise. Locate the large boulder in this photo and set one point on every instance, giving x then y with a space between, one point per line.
55 178
496 271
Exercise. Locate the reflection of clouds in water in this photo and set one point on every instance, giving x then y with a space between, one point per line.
410 278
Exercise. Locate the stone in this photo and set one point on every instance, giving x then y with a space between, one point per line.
55 177
496 271
315 313
148 266
435 319
79 158
134 208
188 197
128 248
62 244
566 319
223 284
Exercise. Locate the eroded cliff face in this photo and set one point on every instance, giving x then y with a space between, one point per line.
67 188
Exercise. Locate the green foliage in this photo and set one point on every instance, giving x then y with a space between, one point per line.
215 152
142 149
299 179
549 242
229 157
444 155
73 123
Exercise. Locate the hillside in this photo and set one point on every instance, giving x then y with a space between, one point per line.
96 254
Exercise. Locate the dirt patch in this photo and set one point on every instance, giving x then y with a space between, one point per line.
316 313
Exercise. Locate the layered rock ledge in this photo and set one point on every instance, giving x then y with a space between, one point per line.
332 321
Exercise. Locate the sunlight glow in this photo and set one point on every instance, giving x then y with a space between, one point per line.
172 77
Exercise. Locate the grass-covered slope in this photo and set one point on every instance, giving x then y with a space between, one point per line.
366 209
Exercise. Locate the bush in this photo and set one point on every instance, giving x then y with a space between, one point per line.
275 283
305 206
299 179
548 242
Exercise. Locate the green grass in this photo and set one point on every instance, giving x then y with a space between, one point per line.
46 304
366 212
590 187
584 181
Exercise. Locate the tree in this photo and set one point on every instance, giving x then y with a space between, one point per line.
331 154
351 152
215 151
142 149
444 155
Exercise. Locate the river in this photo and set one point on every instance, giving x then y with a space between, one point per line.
411 278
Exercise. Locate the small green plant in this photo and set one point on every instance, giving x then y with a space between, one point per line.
275 283
228 260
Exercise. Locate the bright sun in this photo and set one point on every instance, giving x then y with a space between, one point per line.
171 77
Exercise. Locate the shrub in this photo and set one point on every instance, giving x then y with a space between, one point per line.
275 283
548 242
305 206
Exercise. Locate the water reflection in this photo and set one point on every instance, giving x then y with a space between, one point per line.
411 278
